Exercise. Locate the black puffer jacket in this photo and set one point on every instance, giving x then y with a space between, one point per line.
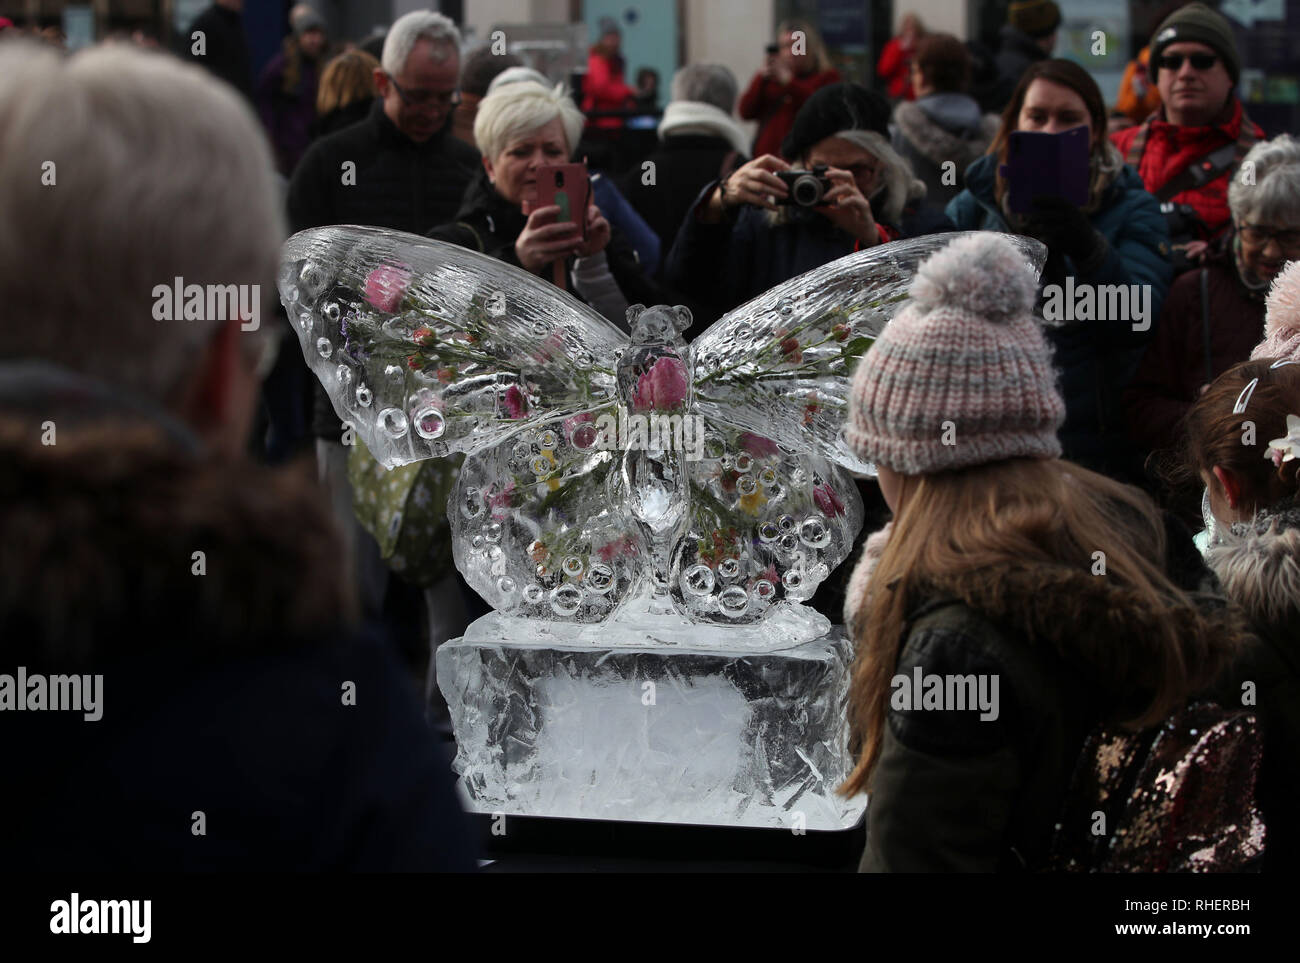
399 183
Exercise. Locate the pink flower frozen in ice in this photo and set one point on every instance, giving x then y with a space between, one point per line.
499 501
757 445
620 547
516 403
386 286
663 387
827 500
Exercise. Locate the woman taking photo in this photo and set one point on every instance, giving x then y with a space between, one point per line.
519 128
990 568
796 67
1117 238
744 234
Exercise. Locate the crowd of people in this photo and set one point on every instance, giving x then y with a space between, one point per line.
172 539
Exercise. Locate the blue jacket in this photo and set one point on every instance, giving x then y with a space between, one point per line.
1096 358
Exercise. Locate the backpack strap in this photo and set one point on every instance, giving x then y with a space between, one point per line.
1139 145
1207 167
1205 323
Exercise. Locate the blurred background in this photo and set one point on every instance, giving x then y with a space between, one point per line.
553 35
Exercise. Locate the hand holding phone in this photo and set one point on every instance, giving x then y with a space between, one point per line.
568 187
1046 165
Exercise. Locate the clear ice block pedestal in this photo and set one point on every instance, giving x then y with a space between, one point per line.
654 718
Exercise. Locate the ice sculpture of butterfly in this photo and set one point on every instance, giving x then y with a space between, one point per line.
558 513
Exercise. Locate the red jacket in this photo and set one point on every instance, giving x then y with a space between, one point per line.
1170 148
895 67
604 89
774 106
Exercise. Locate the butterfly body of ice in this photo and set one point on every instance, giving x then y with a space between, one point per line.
604 467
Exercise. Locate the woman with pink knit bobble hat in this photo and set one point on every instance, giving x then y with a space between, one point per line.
1062 593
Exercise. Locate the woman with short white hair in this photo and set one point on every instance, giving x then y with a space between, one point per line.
519 128
1214 314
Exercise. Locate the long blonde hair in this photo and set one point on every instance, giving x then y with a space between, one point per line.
975 533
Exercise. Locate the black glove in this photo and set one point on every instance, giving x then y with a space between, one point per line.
1066 229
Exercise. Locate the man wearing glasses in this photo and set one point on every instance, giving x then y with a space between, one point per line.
400 167
1188 149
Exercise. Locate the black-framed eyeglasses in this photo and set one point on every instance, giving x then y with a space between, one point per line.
1200 61
1257 235
422 98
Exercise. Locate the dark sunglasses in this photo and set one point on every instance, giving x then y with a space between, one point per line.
1200 61
420 98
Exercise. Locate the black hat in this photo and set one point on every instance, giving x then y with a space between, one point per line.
837 107
1196 23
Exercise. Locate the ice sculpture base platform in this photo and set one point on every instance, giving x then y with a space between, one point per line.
722 735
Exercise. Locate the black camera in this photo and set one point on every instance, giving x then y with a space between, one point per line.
807 188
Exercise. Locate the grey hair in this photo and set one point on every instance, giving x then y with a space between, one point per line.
902 185
413 27
1274 195
515 75
707 84
519 108
158 170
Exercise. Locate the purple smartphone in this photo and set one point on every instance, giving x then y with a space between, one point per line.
1051 164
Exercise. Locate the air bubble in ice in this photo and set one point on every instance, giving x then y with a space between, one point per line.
364 396
743 463
344 375
429 423
600 579
395 375
728 568
331 311
565 600
814 533
471 505
768 532
393 421
492 531
733 601
698 580
764 590
573 566
786 522
542 466
547 440
746 484
533 593
324 348
767 477
505 585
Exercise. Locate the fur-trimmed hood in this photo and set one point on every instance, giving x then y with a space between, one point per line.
946 127
105 501
1258 563
1059 605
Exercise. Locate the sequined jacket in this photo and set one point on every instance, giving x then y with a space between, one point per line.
954 793
1257 563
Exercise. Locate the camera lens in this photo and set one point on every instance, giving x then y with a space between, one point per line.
807 191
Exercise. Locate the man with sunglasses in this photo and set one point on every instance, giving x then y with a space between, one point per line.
1188 149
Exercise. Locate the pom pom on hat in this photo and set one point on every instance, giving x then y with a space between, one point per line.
1282 317
963 375
983 274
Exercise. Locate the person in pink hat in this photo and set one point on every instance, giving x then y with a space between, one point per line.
1063 594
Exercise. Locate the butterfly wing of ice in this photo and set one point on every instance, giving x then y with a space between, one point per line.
427 348
780 364
773 508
